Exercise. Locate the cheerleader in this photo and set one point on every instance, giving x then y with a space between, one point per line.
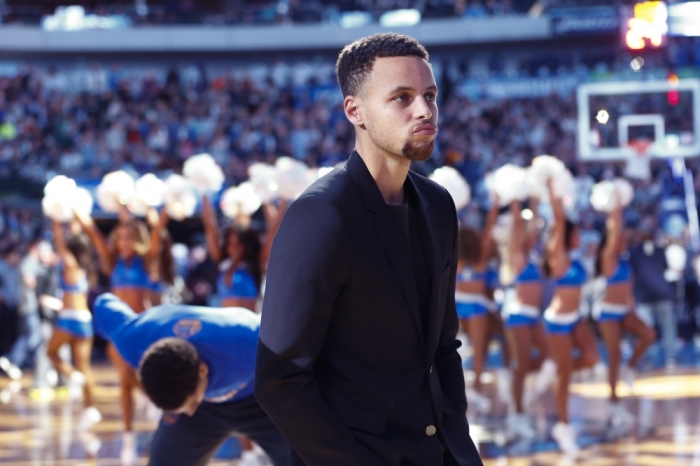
472 299
127 257
564 327
238 254
162 272
73 324
237 251
522 315
614 314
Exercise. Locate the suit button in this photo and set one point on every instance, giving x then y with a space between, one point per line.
431 369
430 431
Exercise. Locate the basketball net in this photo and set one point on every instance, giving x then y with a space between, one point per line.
639 161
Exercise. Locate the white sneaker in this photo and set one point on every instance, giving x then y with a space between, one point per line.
12 371
600 371
89 418
546 376
128 453
619 416
249 458
628 375
504 382
76 382
91 443
76 379
52 378
480 402
565 438
519 424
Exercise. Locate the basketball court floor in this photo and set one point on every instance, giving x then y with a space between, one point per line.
40 428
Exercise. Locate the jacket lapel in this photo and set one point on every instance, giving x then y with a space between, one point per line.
430 243
389 232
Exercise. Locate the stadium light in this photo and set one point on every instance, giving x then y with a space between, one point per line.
684 19
354 19
73 18
649 23
400 18
637 63
673 97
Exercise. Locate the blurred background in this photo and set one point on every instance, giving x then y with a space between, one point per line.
611 88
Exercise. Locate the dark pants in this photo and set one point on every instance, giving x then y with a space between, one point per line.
24 350
192 441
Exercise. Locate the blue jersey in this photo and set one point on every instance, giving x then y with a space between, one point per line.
226 339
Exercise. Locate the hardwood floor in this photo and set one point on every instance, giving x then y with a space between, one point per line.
39 428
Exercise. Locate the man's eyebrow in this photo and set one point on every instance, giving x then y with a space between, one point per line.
409 88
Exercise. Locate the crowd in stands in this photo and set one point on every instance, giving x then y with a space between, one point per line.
265 11
87 121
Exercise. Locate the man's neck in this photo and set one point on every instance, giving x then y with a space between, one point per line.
388 172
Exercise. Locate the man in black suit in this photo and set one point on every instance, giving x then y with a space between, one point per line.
357 359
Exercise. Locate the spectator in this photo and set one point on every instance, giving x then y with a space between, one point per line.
20 280
654 295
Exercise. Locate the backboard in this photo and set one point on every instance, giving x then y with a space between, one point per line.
614 117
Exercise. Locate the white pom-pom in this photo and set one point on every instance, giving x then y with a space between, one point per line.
206 175
509 183
564 187
59 197
292 177
116 188
58 186
179 197
263 177
148 192
57 209
83 202
607 195
676 258
241 200
625 191
543 168
603 196
454 183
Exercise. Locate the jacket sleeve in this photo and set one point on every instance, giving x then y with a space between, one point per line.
448 362
307 269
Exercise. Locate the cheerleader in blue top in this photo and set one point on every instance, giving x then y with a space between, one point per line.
472 299
73 325
522 314
162 272
127 258
237 252
615 315
563 324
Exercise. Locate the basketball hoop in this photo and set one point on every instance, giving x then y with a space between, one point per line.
638 163
640 146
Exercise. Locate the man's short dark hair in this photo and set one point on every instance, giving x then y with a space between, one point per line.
169 372
356 60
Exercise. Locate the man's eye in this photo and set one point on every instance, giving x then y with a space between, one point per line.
430 97
401 98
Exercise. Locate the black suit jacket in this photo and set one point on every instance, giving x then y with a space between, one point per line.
344 369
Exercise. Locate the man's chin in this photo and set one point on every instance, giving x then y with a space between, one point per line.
418 152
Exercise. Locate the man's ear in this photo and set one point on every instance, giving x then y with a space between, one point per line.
203 370
351 106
